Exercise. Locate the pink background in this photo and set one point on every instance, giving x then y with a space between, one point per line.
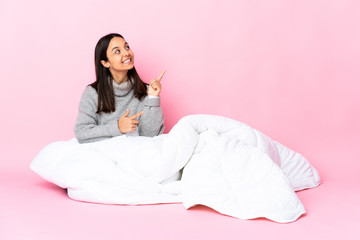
287 68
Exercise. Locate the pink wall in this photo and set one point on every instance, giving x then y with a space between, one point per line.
287 68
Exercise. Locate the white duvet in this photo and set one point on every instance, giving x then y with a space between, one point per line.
208 160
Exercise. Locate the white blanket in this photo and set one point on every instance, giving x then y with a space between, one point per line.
207 160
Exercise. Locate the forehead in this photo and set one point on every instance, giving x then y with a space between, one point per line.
116 42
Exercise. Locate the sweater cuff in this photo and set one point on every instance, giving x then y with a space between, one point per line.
152 102
114 128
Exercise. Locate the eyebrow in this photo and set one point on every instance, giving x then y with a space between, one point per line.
118 47
114 48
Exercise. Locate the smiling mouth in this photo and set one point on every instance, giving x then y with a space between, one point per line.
127 60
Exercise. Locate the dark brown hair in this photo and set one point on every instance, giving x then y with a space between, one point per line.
103 84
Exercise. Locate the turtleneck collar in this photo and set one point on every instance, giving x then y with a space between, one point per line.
122 89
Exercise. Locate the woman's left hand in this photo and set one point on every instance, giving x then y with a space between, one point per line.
154 88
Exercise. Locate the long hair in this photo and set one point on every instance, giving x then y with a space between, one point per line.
103 84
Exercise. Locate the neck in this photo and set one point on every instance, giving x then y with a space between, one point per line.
120 77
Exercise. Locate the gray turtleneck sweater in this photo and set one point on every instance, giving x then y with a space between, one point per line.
91 127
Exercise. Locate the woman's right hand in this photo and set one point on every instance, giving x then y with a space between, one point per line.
128 124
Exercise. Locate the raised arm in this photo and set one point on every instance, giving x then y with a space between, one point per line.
152 121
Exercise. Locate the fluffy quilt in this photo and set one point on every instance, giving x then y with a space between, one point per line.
208 160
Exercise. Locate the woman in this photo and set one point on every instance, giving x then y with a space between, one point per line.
118 102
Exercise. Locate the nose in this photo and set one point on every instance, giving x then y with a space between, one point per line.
126 53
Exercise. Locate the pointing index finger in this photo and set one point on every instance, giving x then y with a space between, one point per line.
137 115
161 75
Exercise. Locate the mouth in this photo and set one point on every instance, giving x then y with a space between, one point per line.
127 61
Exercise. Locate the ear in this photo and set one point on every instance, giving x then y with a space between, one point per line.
105 63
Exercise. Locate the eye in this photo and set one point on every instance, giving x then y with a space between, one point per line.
117 51
127 47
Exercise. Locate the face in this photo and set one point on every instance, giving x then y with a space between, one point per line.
120 57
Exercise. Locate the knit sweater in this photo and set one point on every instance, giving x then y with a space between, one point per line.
91 126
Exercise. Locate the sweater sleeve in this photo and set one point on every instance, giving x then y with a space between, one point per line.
152 120
86 127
